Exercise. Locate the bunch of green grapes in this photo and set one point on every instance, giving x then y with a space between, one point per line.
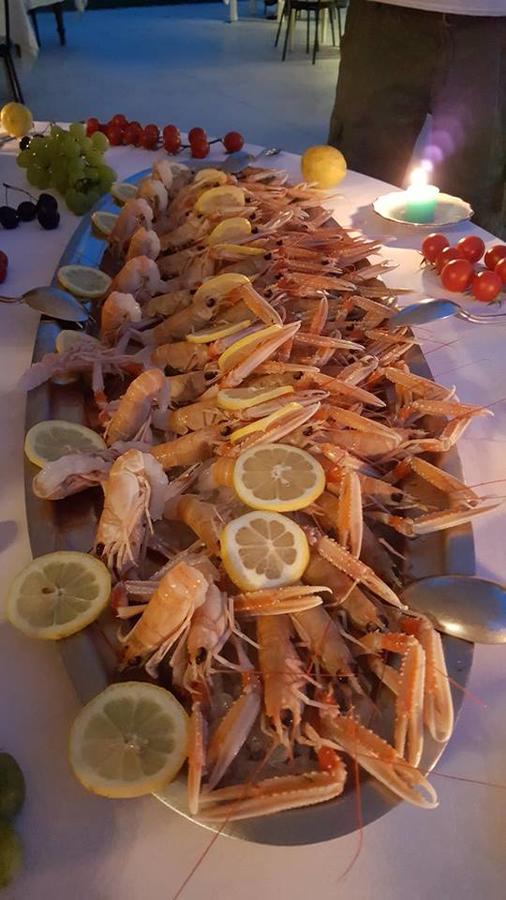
71 162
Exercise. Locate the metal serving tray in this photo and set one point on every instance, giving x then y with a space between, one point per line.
70 524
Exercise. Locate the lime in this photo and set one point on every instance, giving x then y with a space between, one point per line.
323 165
16 119
12 787
10 853
84 281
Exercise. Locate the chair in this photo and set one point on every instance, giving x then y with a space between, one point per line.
6 55
33 5
291 9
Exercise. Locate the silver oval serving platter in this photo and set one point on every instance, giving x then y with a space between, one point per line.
70 524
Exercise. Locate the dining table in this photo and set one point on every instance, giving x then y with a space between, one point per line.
81 846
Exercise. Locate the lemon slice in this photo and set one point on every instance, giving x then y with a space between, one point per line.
220 285
123 191
265 422
217 199
214 334
211 176
130 740
263 550
236 351
278 477
84 281
243 398
104 222
230 230
58 594
67 338
239 249
48 440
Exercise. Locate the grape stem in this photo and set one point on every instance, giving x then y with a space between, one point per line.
10 187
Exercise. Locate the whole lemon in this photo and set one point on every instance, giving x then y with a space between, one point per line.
16 119
323 165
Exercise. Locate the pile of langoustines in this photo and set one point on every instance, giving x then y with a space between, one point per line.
261 451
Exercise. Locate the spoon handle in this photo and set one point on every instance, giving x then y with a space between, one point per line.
11 299
479 320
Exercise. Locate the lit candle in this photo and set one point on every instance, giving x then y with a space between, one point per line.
421 197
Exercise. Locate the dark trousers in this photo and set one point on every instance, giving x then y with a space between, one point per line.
398 65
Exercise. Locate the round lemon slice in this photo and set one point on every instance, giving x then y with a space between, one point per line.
230 230
278 477
53 438
58 594
265 422
130 740
67 339
237 350
218 199
123 191
214 334
263 550
243 398
104 222
84 281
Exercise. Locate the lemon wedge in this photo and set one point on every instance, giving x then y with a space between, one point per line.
210 176
220 285
232 229
84 281
263 550
214 334
104 222
243 398
130 740
218 199
278 477
53 438
265 422
58 594
236 351
123 191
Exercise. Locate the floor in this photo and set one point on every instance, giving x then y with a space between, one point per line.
184 64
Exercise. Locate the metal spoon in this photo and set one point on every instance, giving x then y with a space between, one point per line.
52 302
238 161
430 310
470 608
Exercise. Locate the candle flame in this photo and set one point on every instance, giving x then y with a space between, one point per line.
419 177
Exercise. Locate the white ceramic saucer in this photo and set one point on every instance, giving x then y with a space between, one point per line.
449 210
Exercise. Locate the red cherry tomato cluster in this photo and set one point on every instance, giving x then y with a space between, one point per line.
456 265
4 265
120 131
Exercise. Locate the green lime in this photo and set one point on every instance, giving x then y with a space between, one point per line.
11 854
12 787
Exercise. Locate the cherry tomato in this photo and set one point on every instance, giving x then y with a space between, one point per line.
432 246
500 269
196 134
471 247
135 123
115 134
445 256
172 142
457 275
92 125
233 141
119 119
4 259
149 137
493 255
327 759
132 134
170 130
3 274
104 128
486 286
200 149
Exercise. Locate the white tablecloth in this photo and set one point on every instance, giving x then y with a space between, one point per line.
22 32
86 848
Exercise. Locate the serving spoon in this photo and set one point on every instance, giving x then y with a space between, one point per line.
462 606
430 310
52 302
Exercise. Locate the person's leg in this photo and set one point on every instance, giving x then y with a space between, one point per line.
388 59
468 141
